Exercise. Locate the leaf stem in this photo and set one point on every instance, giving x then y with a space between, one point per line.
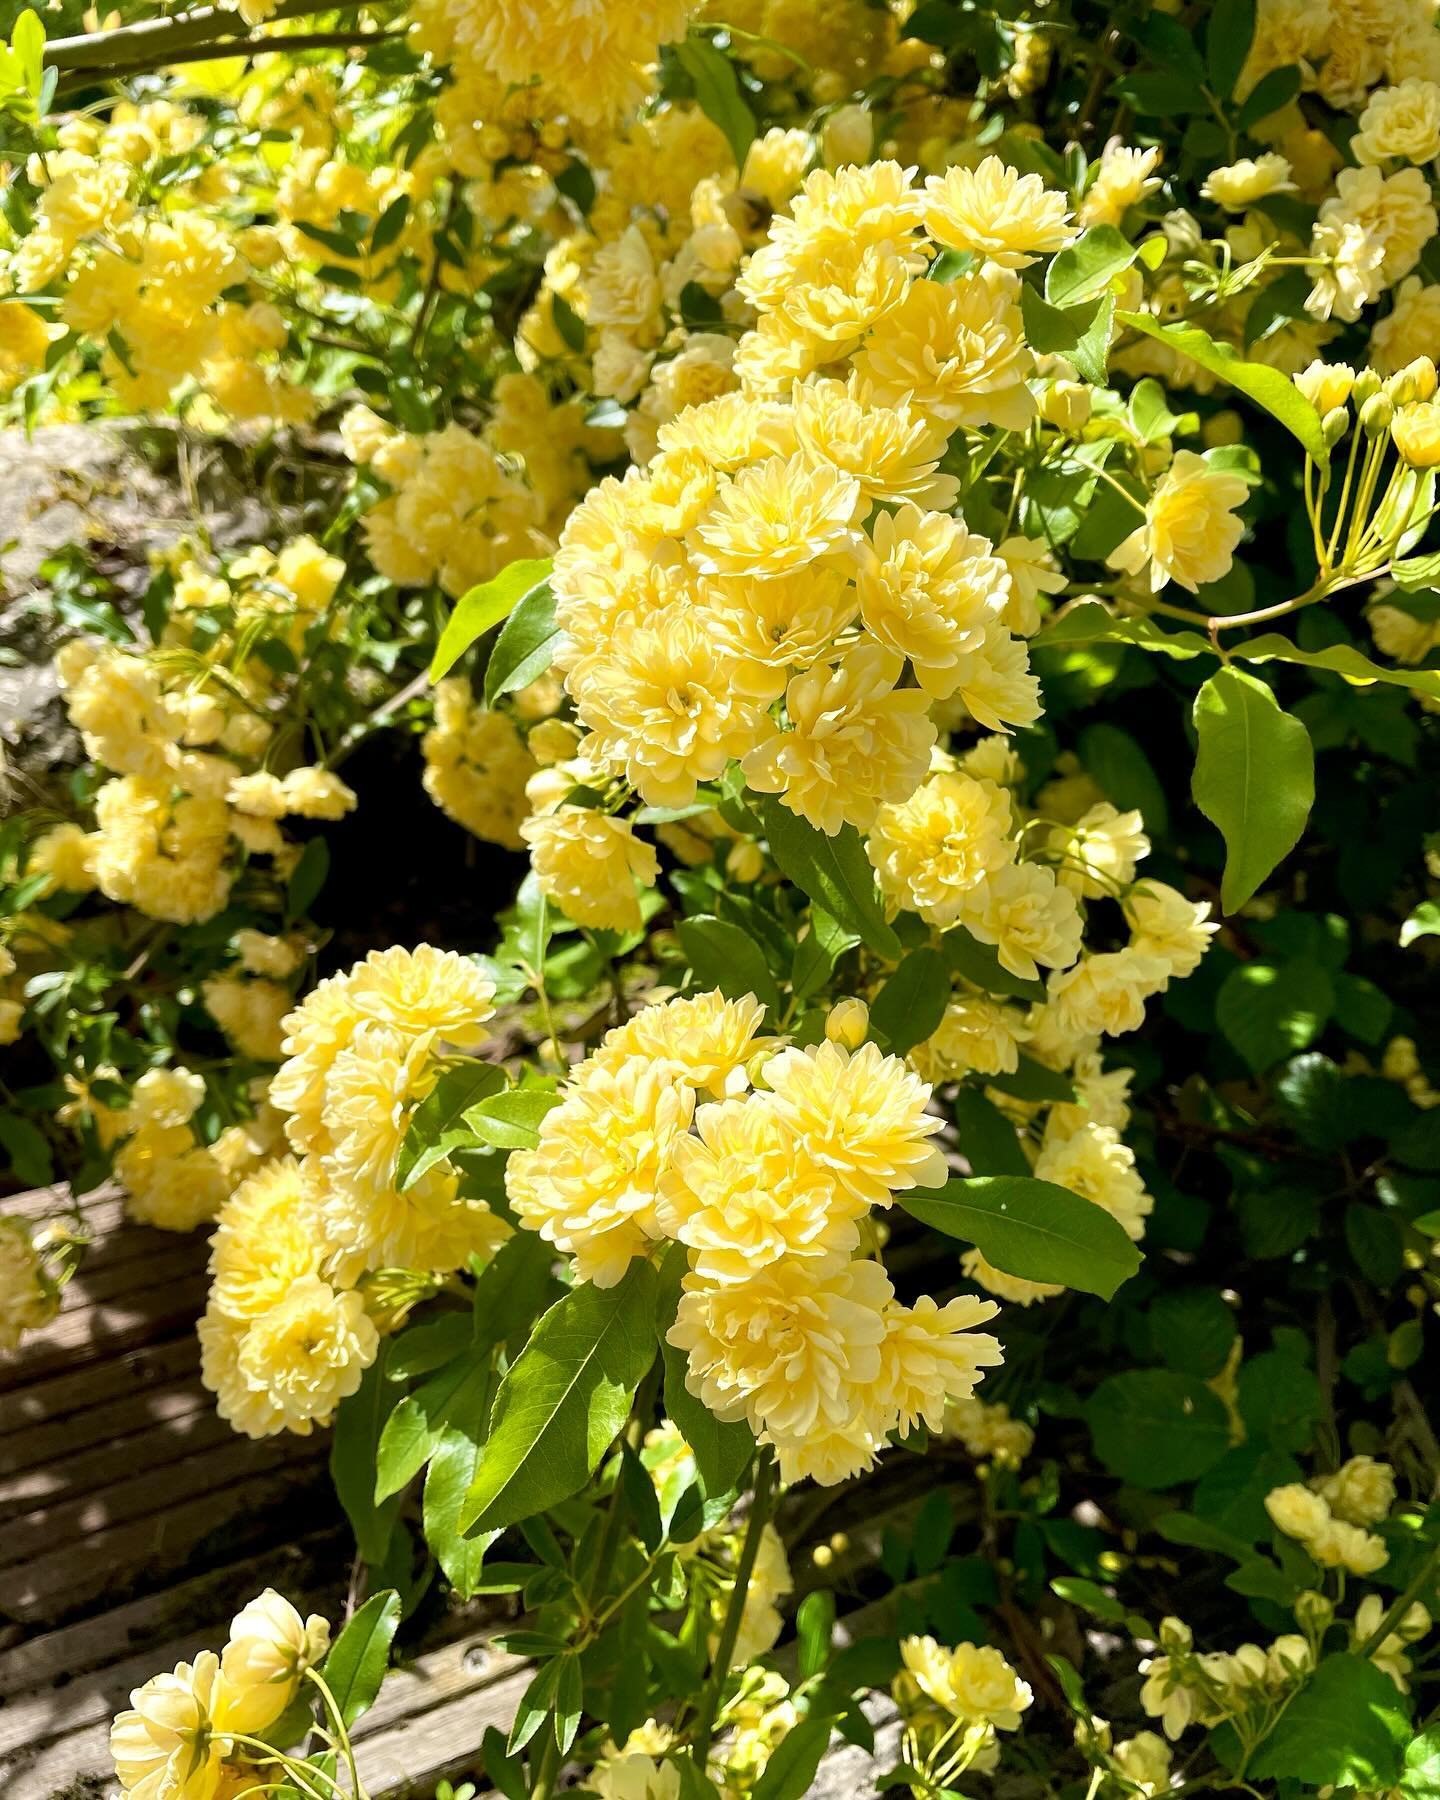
1402 1604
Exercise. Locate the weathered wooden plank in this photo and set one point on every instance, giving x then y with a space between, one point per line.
160 1260
155 1447
311 1572
98 1333
56 1448
143 1553
140 1491
51 1397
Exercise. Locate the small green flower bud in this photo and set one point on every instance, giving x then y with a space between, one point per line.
1367 384
1376 414
1336 424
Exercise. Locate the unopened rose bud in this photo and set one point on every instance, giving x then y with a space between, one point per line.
1376 414
848 1023
1335 425
1065 405
1367 385
847 136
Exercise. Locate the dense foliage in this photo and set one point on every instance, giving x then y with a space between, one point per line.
903 530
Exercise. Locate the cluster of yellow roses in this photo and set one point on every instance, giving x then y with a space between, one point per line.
287 1331
194 1733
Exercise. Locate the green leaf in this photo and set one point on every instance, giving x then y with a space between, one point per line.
1156 1427
486 605
389 225
817 953
414 1429
722 1449
1269 1013
525 645
1229 32
1268 95
1123 771
360 1655
564 1399
1423 922
909 1007
1085 269
833 871
28 1151
1347 1727
725 957
1193 1330
1267 387
1031 1080
980 965
1254 778
359 1420
1420 1779
511 1121
1032 1229
793 1763
437 1126
1081 332
717 92
988 1141
307 878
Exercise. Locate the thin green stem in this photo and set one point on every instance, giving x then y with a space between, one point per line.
341 1732
1402 1604
762 1504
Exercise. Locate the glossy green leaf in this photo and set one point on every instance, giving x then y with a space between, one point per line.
987 1139
722 1448
437 1125
1254 778
725 957
1229 32
359 1657
486 605
717 93
511 1121
564 1399
834 871
911 1002
1032 1229
526 643
1157 1427
453 1467
1267 387
1347 1727
1085 269
1269 1012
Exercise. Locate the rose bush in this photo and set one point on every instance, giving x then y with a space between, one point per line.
905 527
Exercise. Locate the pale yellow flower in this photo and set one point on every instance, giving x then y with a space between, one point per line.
591 1185
166 1746
290 1368
974 1683
997 213
1122 180
856 740
744 1193
1029 918
591 865
1400 124
269 1648
1240 184
777 516
932 850
785 1350
1106 993
1190 529
956 350
929 591
707 1040
977 1035
862 1116
1167 926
